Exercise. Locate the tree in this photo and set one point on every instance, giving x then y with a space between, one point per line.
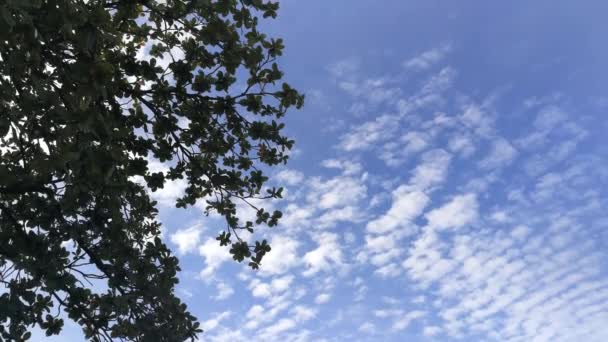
81 114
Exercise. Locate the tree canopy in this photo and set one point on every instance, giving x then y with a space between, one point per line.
90 92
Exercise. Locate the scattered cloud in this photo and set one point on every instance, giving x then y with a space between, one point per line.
367 328
412 212
322 298
224 291
214 255
282 257
406 206
431 171
290 177
402 322
366 135
502 154
187 239
336 192
344 68
460 211
213 323
428 58
327 256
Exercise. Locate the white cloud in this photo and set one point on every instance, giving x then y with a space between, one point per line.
462 144
460 211
367 328
397 152
255 311
383 257
327 201
428 58
318 98
187 239
224 291
366 135
478 120
322 298
348 167
212 323
438 82
406 206
226 335
502 154
549 117
347 214
383 129
374 91
500 216
415 141
431 331
326 256
533 280
296 215
386 313
408 203
281 284
259 289
344 68
290 177
520 232
303 313
431 171
389 271
419 299
425 262
276 304
271 333
336 192
214 255
429 94
281 258
401 323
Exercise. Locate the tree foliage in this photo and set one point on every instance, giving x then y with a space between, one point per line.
82 111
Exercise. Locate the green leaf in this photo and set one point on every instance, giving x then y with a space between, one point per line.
117 128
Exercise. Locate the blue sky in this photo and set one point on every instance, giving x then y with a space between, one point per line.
449 182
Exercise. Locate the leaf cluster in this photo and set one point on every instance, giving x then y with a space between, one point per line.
81 115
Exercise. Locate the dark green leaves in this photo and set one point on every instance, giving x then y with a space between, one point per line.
6 20
155 181
240 250
260 249
4 125
92 95
51 325
224 239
